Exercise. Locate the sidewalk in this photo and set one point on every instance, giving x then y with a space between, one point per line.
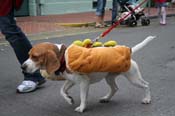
34 25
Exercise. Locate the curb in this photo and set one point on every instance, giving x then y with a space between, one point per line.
76 24
86 24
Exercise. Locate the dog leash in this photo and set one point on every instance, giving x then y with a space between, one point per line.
103 34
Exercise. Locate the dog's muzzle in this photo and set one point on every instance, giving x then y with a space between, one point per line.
29 66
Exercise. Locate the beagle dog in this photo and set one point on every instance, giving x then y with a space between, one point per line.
50 58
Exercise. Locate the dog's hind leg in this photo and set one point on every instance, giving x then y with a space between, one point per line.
134 76
110 80
64 91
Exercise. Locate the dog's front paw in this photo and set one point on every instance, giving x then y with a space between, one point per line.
70 100
146 101
79 109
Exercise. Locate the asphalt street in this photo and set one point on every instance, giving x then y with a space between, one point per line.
156 62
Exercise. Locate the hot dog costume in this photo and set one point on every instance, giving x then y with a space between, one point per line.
98 59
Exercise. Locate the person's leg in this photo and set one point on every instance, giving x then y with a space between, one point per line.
163 14
114 11
100 11
18 42
161 9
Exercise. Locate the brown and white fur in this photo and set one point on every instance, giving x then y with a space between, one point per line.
47 56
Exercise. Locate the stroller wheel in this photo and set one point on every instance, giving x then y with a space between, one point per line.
145 21
132 23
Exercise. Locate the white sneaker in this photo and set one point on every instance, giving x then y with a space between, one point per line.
27 86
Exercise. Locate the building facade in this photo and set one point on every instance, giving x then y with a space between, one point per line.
52 7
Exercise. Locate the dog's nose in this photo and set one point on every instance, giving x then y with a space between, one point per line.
24 67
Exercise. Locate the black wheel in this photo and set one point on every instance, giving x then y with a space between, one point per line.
145 21
132 23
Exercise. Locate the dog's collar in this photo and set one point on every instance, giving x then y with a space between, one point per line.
62 68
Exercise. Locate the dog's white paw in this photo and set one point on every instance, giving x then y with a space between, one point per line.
79 109
146 101
70 100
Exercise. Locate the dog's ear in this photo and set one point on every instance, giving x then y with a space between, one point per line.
62 51
52 62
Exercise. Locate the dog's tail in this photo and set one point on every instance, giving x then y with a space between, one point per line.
142 44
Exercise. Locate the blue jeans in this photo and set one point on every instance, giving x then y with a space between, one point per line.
18 42
101 4
100 11
114 10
